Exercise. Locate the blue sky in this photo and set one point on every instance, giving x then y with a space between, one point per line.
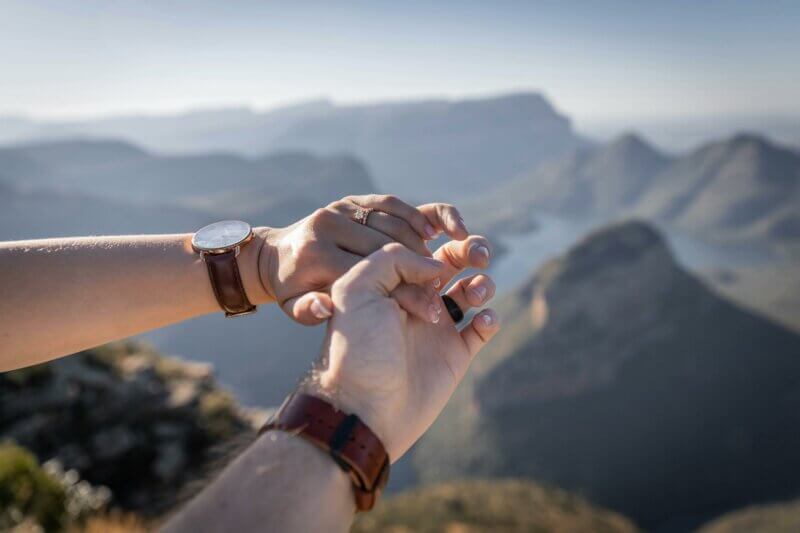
594 59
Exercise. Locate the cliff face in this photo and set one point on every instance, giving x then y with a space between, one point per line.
621 376
124 417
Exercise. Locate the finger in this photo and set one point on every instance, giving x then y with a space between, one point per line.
422 302
483 327
303 308
473 252
471 292
353 237
446 219
311 308
387 268
396 228
392 205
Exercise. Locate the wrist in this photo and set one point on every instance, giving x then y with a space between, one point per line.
324 384
251 256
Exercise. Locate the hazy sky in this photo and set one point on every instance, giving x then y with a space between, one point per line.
594 59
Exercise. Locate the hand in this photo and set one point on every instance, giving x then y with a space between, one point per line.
298 264
397 368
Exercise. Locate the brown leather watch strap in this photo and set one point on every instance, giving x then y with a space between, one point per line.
223 270
354 447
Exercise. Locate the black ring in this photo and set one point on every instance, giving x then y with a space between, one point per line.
453 309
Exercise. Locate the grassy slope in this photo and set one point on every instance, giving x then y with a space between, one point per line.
772 518
499 506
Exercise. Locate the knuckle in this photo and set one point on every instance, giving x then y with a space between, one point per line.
394 249
390 199
322 218
340 289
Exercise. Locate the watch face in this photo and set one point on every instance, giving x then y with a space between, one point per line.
221 236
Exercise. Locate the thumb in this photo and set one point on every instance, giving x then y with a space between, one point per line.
311 308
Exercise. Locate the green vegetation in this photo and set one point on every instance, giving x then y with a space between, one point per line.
119 409
507 506
34 496
28 493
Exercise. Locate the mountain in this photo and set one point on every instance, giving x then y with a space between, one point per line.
46 213
741 190
236 129
507 506
420 150
598 182
743 186
441 149
772 289
621 376
124 172
772 518
124 417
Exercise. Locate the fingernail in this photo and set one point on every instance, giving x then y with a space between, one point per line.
438 305
437 283
479 292
318 309
484 251
433 314
429 231
487 318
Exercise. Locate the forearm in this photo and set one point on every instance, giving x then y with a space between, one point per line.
281 483
59 296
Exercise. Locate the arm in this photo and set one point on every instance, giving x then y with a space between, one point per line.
393 368
59 296
281 483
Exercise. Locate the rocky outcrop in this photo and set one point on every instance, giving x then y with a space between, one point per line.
124 417
623 377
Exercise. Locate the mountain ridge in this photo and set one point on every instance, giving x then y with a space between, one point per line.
623 377
741 189
449 148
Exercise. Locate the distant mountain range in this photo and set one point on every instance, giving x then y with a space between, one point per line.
421 150
621 376
742 188
218 182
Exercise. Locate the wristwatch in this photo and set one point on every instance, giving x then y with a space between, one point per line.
348 441
219 245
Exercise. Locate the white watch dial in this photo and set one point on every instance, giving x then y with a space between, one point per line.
220 236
